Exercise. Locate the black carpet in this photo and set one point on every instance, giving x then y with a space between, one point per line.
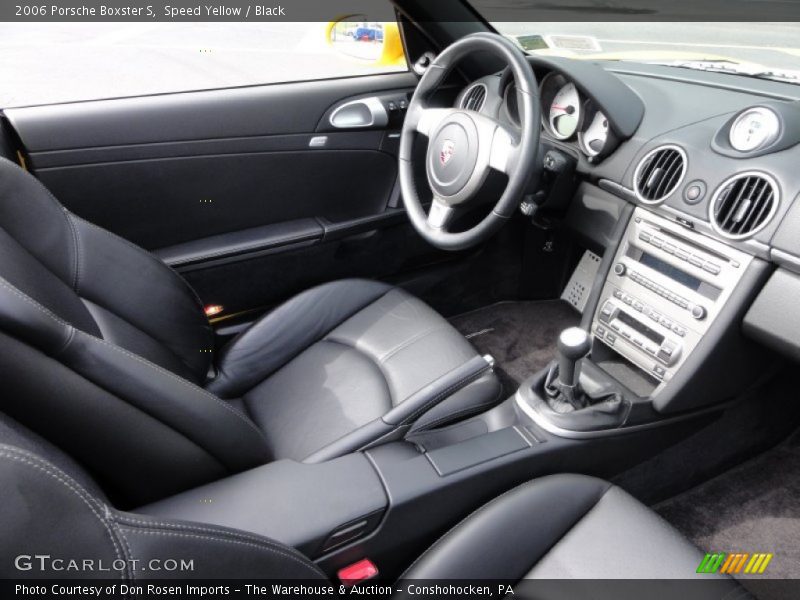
754 507
521 336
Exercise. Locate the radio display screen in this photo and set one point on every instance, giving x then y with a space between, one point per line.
637 325
674 273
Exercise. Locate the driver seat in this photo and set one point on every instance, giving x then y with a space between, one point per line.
106 352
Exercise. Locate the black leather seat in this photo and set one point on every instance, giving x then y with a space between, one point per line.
106 351
561 527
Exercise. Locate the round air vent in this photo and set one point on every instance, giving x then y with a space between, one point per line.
474 97
659 174
743 205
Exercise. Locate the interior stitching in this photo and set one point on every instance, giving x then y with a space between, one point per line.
70 484
220 538
75 239
258 324
180 380
461 383
139 359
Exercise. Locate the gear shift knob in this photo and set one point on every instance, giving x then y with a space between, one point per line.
573 345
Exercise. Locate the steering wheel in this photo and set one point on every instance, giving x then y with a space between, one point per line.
464 146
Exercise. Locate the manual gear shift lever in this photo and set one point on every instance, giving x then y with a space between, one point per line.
573 345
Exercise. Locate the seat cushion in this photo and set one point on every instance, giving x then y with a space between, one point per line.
561 527
341 357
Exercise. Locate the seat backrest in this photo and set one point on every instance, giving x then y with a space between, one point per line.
103 348
55 524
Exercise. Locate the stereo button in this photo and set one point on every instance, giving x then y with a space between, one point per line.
607 312
666 352
669 248
618 294
644 236
657 242
682 254
659 371
696 261
711 268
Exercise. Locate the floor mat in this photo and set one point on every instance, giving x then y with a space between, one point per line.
754 507
521 336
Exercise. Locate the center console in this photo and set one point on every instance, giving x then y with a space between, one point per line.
659 351
667 286
664 330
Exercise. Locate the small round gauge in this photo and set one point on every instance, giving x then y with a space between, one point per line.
753 129
564 112
594 134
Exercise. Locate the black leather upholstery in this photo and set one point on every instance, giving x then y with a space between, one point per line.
343 356
44 511
561 527
105 351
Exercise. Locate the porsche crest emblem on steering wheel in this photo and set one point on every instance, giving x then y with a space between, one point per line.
448 149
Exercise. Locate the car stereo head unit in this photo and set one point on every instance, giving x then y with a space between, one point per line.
666 287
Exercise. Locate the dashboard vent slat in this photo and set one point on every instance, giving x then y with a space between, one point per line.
659 174
474 97
743 205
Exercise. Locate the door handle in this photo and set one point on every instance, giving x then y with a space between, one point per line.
363 112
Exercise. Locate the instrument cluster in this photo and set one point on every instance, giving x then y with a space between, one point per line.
567 115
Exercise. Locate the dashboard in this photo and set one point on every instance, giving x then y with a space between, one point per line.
709 162
715 152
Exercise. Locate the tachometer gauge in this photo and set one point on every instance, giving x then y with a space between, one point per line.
564 112
594 135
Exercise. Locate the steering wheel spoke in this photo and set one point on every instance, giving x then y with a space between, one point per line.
440 214
504 153
428 119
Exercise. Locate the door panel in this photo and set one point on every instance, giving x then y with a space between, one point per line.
171 169
162 202
278 109
227 186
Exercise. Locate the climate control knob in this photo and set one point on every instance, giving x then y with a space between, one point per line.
698 312
620 269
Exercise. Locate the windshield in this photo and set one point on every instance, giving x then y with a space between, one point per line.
770 50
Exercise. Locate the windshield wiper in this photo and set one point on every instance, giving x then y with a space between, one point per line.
732 68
